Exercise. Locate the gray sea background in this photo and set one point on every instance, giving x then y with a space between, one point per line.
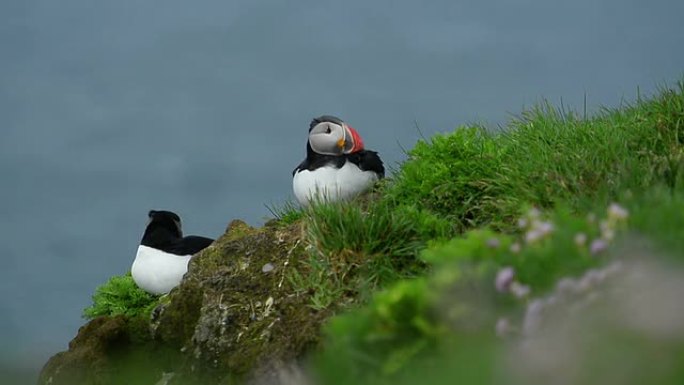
111 108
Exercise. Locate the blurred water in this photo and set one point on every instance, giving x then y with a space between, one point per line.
109 109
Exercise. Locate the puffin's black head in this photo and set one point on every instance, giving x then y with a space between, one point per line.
325 119
163 225
330 135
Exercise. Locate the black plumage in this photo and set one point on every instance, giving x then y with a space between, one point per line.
164 233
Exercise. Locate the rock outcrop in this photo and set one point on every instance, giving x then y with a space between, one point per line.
235 315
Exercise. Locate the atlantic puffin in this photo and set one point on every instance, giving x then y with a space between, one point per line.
163 255
337 167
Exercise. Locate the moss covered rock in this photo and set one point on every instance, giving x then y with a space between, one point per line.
234 315
109 350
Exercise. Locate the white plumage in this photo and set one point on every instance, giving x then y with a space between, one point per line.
331 184
156 271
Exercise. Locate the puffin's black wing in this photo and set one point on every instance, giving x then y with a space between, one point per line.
302 166
189 245
368 160
315 161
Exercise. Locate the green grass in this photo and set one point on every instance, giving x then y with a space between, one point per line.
120 296
358 248
478 184
658 215
286 213
545 156
460 176
416 324
471 178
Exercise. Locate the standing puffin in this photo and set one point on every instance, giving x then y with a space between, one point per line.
337 167
163 255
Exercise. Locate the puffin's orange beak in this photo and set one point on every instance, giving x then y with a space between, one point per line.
341 143
356 139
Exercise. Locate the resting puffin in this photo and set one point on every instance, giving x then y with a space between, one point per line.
337 167
163 255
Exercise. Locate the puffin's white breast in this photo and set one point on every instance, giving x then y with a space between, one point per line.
331 184
156 271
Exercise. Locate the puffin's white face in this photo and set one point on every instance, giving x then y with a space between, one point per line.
328 138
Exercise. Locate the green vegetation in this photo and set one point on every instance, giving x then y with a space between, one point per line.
461 176
356 249
545 156
659 216
286 213
481 183
471 178
413 319
443 325
120 296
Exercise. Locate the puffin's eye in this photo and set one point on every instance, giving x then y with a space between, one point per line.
328 130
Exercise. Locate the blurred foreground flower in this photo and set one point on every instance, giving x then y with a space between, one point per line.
493 243
504 279
580 239
598 246
537 229
617 212
519 290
